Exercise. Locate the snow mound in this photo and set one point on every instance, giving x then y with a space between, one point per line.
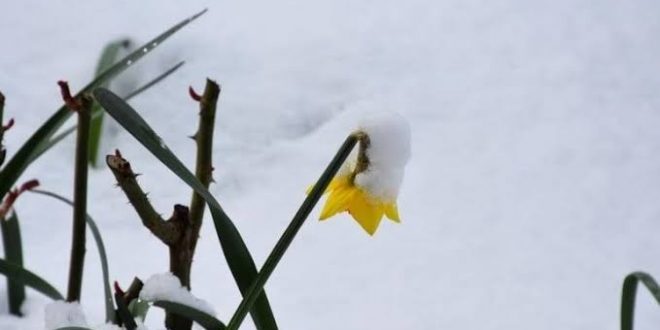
61 314
167 287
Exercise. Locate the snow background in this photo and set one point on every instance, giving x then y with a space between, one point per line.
532 190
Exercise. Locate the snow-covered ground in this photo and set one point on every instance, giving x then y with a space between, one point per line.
533 187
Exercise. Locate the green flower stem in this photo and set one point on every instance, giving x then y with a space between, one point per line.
629 292
291 231
79 199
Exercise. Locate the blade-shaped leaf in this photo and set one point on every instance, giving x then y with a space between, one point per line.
11 240
153 82
207 321
108 57
629 293
236 253
25 155
109 307
22 275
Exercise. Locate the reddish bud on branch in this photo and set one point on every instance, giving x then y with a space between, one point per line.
69 100
118 288
12 196
194 94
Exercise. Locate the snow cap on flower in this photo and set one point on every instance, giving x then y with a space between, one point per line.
167 287
60 314
388 152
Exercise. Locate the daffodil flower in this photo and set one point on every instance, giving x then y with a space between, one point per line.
367 187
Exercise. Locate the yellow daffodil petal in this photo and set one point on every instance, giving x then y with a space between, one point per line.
334 184
368 211
392 211
337 202
367 214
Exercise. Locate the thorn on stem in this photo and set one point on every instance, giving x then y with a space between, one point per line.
69 100
194 94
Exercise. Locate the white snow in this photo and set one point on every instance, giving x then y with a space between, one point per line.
108 326
167 287
388 153
61 314
532 191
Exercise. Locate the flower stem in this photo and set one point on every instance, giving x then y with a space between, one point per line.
290 233
79 199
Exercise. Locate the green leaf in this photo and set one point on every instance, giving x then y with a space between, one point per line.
153 82
139 308
207 321
25 155
290 233
629 293
11 239
238 257
109 307
108 58
22 275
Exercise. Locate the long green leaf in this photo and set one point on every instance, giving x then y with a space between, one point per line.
22 275
207 321
25 155
290 233
61 136
11 240
108 58
236 252
153 82
629 292
96 233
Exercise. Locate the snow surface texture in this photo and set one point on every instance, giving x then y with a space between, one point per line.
388 153
532 190
167 287
61 314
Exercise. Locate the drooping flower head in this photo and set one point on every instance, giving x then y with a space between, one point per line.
368 184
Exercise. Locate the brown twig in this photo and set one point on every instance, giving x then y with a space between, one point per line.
166 231
204 140
83 107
